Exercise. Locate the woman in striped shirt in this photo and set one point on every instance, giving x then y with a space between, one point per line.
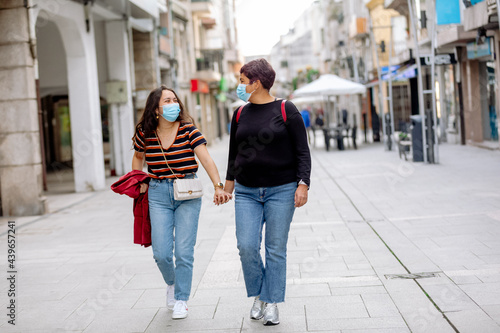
165 122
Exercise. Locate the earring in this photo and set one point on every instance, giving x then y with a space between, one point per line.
157 116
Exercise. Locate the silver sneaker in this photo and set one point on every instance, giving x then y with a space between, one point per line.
257 310
271 314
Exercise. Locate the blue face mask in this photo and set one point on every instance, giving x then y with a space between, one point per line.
171 112
241 91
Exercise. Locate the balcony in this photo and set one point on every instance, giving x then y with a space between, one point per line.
232 55
474 17
180 10
455 35
208 65
401 6
358 27
208 22
202 6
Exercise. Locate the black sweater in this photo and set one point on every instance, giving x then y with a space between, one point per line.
264 151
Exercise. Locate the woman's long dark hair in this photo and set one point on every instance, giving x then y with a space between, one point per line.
148 122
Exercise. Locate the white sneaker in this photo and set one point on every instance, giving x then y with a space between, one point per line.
180 310
170 296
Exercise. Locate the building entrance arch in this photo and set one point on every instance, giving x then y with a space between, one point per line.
82 87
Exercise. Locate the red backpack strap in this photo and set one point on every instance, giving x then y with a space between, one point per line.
239 113
283 112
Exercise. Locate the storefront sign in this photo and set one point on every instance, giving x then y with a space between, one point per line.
475 51
439 59
402 75
385 69
199 86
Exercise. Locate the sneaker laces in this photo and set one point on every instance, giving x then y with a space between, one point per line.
270 305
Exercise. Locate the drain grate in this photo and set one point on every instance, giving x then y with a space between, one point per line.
411 276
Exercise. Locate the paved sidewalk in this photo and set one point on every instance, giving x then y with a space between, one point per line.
383 245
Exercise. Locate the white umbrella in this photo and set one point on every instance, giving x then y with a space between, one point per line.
307 100
330 85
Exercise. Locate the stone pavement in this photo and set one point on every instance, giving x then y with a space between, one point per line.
383 245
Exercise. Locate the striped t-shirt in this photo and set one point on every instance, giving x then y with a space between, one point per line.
180 155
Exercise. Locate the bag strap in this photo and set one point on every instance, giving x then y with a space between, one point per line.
283 112
239 113
163 153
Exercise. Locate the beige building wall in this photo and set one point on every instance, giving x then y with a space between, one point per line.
381 24
144 61
472 101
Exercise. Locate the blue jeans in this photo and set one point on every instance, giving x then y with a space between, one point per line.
273 206
168 216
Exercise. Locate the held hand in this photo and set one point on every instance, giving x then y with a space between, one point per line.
144 188
300 196
221 197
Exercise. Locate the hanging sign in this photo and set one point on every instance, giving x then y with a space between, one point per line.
448 12
475 50
199 86
439 59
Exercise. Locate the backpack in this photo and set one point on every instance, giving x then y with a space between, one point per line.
283 112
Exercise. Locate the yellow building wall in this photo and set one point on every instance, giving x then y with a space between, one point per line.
381 22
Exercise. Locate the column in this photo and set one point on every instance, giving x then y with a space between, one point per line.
20 157
84 105
122 117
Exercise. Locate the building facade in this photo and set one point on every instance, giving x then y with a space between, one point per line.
465 77
80 73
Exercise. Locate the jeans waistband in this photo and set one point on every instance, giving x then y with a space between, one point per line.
170 180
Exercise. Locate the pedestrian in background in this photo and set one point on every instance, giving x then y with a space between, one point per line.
320 115
269 169
166 132
306 117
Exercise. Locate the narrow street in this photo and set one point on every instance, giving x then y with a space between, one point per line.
383 245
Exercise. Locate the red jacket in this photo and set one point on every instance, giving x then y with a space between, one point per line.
129 184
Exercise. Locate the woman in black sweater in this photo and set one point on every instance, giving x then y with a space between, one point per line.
269 169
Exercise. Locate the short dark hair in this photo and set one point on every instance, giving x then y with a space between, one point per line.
259 69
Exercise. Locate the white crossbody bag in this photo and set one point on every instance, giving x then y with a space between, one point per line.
184 189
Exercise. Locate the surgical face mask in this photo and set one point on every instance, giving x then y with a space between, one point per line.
241 91
171 112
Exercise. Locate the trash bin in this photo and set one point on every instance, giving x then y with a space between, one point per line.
416 138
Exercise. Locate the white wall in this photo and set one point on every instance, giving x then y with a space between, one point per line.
101 55
52 69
